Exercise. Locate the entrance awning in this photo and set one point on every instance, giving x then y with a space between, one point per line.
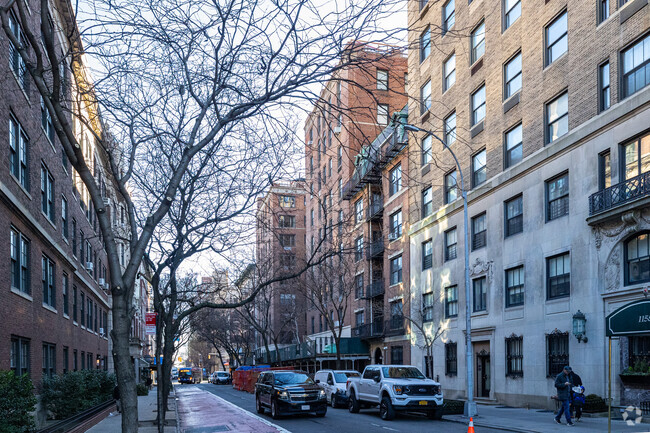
630 319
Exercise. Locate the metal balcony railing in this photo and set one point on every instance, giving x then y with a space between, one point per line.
375 210
369 330
395 326
375 249
619 194
376 288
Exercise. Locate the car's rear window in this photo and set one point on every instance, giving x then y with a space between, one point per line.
343 377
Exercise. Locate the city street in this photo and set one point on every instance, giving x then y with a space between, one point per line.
336 420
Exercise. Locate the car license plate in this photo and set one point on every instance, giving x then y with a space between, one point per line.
423 402
305 407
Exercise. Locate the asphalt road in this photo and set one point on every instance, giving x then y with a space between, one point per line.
340 420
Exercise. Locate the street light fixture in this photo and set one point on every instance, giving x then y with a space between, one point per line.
470 405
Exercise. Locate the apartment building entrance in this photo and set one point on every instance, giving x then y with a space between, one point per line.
379 357
482 370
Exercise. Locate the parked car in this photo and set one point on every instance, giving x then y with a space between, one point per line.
395 388
334 383
289 392
220 377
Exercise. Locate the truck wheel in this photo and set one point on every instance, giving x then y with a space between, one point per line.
333 401
386 410
275 413
258 405
435 414
353 404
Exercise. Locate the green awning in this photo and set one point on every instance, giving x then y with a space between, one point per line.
630 319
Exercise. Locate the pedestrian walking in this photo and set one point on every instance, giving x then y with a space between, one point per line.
563 385
116 396
149 383
578 400
576 382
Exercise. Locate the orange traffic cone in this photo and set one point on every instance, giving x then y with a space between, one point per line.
470 429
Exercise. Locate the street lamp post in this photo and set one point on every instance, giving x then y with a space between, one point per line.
470 405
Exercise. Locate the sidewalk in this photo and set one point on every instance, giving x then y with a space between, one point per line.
147 412
202 411
538 421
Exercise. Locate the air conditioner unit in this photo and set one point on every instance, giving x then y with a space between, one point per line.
106 286
101 331
101 281
337 129
89 266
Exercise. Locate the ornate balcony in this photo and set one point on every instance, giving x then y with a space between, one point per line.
375 249
616 196
376 288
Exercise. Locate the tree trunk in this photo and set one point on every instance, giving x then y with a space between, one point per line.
160 416
123 364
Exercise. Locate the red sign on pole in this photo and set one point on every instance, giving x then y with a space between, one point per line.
150 323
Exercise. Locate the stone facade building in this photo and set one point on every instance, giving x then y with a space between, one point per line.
547 107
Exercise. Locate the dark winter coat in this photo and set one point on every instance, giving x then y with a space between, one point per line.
562 388
575 379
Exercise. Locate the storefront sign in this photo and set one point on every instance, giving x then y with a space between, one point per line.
150 323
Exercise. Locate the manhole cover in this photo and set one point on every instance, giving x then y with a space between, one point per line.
214 428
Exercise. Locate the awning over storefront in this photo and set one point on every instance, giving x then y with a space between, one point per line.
630 319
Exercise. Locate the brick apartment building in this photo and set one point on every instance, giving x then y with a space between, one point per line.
281 251
56 310
355 106
546 106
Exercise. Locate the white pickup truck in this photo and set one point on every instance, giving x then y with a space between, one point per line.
395 388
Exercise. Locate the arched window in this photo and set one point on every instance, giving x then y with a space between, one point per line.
637 259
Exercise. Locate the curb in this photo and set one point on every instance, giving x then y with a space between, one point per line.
492 426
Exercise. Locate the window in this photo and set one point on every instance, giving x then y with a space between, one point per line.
49 360
636 66
515 286
427 202
287 201
557 117
638 350
46 122
18 144
19 357
425 44
358 250
450 129
557 350
19 262
448 16
451 362
425 97
82 309
83 360
397 355
556 38
427 307
604 170
451 301
512 76
329 168
66 295
514 356
15 60
427 254
313 326
451 190
340 156
287 241
603 84
382 79
47 193
287 221
635 157
557 195
395 180
64 217
449 69
358 318
396 270
514 146
637 260
512 10
558 280
603 10
514 216
450 244
478 105
382 114
479 168
479 231
288 260
395 221
74 237
66 360
74 303
426 149
358 286
479 291
478 42
358 211
75 366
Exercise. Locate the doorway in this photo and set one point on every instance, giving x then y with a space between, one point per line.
482 370
379 357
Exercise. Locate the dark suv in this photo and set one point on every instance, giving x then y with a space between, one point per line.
289 392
